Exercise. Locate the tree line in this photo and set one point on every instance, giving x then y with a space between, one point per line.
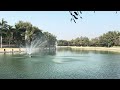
109 39
20 33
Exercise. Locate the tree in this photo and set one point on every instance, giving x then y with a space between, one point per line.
94 42
82 41
23 30
109 39
31 33
62 43
9 34
71 42
28 31
77 42
22 33
3 26
51 39
86 41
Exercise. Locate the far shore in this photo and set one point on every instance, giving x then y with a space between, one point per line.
113 49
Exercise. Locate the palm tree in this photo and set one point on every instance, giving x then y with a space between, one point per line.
10 31
3 26
17 35
23 31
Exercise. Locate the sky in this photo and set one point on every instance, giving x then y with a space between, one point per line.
58 22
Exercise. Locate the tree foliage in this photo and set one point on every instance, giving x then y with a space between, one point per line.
109 39
21 33
51 39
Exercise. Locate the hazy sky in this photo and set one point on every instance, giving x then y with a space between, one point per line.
58 22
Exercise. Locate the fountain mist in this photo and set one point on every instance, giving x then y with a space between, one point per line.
36 44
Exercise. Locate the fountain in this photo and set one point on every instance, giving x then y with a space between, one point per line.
35 45
36 42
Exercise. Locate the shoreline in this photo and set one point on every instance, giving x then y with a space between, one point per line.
15 50
20 50
111 49
12 50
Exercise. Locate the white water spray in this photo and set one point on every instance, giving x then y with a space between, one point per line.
36 45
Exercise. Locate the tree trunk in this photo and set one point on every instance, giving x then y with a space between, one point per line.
9 42
1 41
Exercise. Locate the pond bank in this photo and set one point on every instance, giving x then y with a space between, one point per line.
11 50
19 50
113 49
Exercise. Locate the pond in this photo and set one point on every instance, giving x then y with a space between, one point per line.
61 64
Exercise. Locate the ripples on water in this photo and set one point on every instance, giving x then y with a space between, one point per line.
63 64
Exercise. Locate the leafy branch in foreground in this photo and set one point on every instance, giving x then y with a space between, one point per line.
77 14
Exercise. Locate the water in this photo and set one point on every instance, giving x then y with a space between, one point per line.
62 64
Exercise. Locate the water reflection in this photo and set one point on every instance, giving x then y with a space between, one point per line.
81 51
21 66
72 50
63 63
